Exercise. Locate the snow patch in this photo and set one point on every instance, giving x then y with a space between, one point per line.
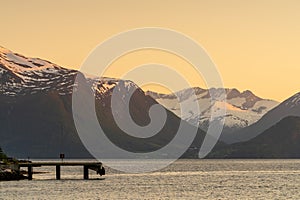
236 115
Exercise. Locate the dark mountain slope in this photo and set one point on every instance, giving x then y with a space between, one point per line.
280 141
290 107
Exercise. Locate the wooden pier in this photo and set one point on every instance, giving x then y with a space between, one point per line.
93 165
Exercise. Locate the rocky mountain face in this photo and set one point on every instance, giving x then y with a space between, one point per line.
36 111
242 108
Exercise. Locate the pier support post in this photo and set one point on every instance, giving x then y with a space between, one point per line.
57 172
30 171
85 172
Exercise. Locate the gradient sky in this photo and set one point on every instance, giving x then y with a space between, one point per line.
255 44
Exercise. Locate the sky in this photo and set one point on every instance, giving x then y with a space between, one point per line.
254 44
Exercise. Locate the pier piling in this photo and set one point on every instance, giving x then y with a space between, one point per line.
85 172
30 172
57 172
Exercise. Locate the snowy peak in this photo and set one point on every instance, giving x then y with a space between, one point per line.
19 63
233 96
104 86
242 108
182 94
290 107
4 50
292 101
214 92
20 75
233 93
18 68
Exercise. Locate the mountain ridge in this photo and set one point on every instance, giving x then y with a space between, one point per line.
289 107
36 111
281 140
243 108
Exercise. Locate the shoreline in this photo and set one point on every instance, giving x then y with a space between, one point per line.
11 176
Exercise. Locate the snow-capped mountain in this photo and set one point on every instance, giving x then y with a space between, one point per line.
36 111
104 86
290 107
242 108
292 102
20 75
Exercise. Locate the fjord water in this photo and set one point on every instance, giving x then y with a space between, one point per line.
184 179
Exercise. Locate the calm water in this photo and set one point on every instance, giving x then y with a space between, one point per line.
184 179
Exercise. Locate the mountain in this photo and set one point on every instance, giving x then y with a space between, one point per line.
22 76
36 118
282 140
290 107
242 108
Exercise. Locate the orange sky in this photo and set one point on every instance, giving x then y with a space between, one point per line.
255 44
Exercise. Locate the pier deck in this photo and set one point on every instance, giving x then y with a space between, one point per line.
93 165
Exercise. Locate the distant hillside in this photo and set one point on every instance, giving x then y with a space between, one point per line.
280 141
289 107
